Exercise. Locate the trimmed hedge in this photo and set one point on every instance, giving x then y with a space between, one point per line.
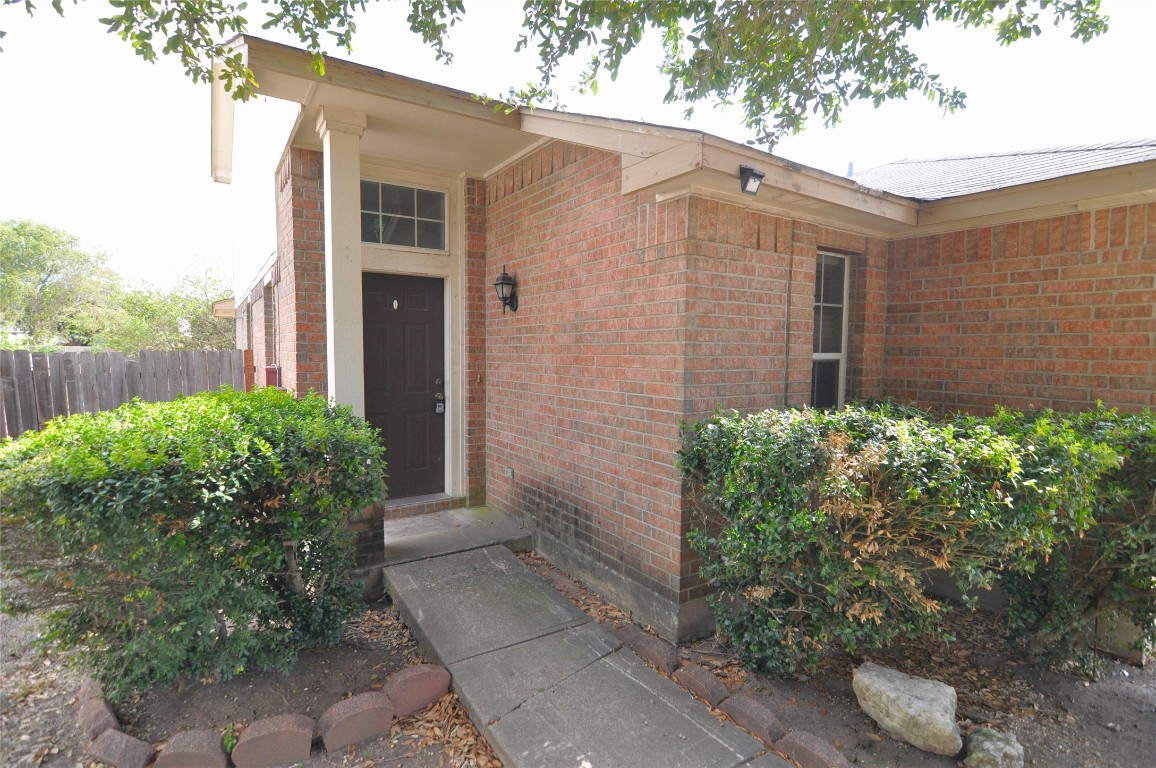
821 523
1091 580
193 538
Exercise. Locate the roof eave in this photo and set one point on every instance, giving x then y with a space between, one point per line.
711 166
221 128
283 72
1121 185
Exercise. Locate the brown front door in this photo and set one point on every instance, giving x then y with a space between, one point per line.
405 378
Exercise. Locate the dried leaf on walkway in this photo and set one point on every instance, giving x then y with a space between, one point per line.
590 602
446 723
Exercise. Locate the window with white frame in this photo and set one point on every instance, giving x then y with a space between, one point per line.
829 349
405 216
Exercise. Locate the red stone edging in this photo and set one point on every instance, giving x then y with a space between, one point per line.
273 741
288 738
745 709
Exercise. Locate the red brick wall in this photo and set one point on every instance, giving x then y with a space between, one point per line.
1054 312
478 298
635 314
736 309
305 344
285 311
750 312
583 385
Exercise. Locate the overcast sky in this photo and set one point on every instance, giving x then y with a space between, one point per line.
95 141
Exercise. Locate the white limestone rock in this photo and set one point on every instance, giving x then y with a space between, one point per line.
914 710
993 749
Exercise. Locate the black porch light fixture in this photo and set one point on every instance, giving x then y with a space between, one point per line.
507 291
750 179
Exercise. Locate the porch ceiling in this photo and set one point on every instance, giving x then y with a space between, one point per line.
408 122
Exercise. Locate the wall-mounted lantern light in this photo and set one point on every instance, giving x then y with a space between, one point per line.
750 179
507 291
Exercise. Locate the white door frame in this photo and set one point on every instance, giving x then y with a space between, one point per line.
450 266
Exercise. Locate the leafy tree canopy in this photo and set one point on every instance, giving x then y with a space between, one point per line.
181 318
47 283
53 292
779 60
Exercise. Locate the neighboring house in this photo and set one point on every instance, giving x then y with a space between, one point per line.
652 290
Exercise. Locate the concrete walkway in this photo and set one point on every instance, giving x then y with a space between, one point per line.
544 684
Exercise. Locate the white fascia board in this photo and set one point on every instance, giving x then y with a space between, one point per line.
726 157
712 163
221 127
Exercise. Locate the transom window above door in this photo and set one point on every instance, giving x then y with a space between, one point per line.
405 216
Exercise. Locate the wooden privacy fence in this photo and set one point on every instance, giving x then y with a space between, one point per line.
36 387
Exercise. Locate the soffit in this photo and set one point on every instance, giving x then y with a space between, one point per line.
408 122
710 166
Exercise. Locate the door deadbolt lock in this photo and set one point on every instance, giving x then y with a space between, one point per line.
439 403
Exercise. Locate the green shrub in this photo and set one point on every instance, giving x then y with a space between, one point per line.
827 519
1094 578
192 538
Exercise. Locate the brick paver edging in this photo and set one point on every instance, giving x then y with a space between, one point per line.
272 741
746 710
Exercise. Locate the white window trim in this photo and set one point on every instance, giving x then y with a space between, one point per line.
841 357
446 193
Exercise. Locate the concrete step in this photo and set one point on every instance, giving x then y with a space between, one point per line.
450 531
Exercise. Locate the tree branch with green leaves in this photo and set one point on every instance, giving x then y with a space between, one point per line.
780 61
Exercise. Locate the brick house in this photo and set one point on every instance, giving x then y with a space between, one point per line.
652 289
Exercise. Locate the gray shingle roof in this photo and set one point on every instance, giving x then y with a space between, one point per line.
965 175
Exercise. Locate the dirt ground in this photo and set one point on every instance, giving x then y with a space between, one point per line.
39 709
1061 720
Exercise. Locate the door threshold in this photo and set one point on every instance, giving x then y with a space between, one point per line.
424 499
411 506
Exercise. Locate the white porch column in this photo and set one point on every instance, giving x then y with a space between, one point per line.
340 131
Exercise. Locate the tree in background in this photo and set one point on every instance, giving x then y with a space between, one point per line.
780 60
180 318
54 293
50 289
